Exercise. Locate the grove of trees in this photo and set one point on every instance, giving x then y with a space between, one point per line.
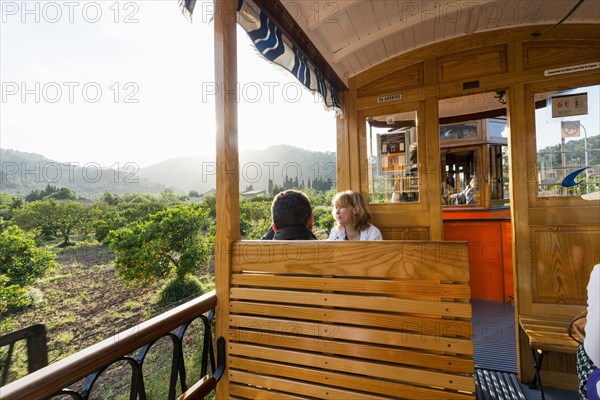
156 239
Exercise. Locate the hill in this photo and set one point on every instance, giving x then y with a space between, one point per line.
256 168
21 172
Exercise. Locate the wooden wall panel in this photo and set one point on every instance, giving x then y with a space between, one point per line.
405 233
557 53
564 257
398 81
549 275
472 64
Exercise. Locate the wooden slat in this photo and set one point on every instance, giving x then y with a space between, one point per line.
526 320
367 351
370 385
563 344
429 326
347 320
295 387
548 334
376 303
341 332
248 392
400 289
444 261
383 371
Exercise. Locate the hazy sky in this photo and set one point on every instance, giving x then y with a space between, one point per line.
132 81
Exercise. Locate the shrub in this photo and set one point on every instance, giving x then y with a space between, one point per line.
176 290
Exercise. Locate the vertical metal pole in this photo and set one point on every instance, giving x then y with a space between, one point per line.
564 160
585 152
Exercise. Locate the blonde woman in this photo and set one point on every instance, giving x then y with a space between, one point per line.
352 218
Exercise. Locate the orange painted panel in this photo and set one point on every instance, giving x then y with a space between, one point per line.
486 261
507 261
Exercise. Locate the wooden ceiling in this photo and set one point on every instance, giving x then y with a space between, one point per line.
354 35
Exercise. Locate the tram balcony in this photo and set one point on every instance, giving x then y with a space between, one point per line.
298 318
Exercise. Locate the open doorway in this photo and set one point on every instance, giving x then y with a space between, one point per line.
473 132
473 136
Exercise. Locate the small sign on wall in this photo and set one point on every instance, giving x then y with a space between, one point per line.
569 105
393 97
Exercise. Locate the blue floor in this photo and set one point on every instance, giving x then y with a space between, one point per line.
496 352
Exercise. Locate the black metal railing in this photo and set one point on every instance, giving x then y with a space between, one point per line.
100 367
37 353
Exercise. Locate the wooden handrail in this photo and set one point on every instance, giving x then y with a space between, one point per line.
49 380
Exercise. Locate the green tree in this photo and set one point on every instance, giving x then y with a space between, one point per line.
112 216
51 216
62 194
171 241
8 203
21 263
255 216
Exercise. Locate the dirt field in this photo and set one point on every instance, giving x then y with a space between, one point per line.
84 302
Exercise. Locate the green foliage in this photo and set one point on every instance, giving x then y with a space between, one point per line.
21 263
210 203
8 203
255 217
53 217
114 212
110 199
324 218
176 290
574 153
51 192
11 296
170 241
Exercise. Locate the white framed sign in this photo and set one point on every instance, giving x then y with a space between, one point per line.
569 105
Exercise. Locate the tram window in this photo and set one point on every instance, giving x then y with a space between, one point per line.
467 130
496 129
393 158
461 177
498 176
567 141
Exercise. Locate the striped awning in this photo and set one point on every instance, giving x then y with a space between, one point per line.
273 44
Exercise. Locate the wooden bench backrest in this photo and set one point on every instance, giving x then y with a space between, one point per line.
350 320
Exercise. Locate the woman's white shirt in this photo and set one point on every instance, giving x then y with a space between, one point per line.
371 233
591 342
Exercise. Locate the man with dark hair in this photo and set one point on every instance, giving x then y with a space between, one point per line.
292 216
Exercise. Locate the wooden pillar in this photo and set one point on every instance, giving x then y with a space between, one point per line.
430 168
519 216
342 149
228 224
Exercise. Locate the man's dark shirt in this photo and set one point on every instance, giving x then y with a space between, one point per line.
294 232
268 234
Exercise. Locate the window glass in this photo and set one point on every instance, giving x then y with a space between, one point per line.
496 128
568 142
392 158
461 182
467 130
498 175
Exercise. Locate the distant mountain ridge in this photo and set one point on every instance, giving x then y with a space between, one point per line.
256 168
22 172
